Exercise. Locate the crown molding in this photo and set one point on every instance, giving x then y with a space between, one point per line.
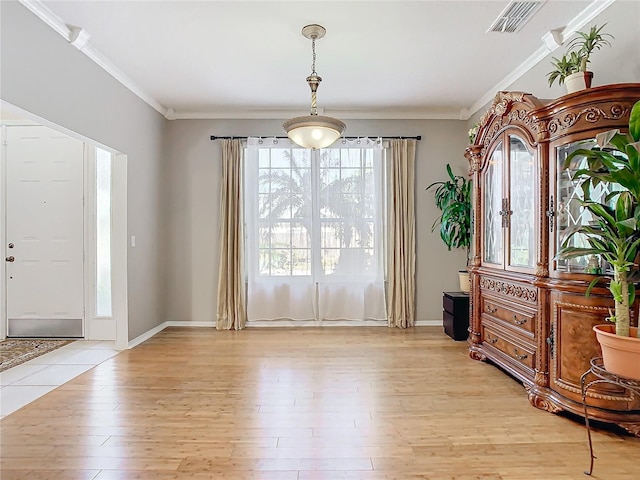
594 9
585 16
79 38
355 114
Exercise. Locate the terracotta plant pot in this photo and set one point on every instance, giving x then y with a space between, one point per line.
578 81
621 355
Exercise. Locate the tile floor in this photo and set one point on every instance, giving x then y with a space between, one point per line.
27 382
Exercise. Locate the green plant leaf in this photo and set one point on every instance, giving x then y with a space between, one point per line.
453 198
618 141
563 67
573 252
586 43
593 283
634 122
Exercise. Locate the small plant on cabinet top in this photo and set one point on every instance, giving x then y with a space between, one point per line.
578 54
564 66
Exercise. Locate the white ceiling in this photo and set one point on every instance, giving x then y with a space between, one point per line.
379 59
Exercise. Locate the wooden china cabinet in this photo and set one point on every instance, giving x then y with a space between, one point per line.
529 312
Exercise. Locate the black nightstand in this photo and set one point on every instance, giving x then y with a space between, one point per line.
455 314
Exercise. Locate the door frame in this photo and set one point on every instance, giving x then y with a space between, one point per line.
118 226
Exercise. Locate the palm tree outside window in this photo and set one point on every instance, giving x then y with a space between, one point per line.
314 231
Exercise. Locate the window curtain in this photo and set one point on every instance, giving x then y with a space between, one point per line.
231 313
314 231
402 245
351 218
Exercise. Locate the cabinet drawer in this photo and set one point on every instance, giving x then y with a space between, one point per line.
521 319
456 303
447 304
523 355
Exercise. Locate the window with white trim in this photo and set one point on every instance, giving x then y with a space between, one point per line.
314 223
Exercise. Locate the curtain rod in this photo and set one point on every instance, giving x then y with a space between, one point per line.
417 137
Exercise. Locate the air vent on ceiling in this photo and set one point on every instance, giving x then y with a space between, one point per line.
515 16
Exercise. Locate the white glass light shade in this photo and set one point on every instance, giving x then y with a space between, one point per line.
314 131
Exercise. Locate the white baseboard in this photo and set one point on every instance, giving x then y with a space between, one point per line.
147 335
429 323
170 323
313 323
189 323
271 324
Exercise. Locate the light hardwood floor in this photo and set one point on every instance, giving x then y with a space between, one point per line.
300 404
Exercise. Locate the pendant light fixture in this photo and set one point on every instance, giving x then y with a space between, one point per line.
313 130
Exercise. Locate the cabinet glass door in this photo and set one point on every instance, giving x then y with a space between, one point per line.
492 202
522 195
569 211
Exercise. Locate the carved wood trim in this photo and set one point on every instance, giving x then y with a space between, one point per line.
589 114
599 396
632 428
501 104
508 108
542 267
542 270
578 306
473 153
476 355
506 288
542 333
541 402
541 379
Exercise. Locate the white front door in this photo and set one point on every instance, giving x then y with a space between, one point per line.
44 233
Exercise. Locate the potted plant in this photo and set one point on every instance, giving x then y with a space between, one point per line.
614 234
565 66
572 69
453 198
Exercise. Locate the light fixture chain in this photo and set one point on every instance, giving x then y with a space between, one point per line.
313 50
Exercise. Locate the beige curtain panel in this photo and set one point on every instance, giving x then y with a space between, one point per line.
401 302
232 314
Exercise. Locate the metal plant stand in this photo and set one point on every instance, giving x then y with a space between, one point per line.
602 376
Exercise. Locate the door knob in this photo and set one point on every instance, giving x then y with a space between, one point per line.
10 259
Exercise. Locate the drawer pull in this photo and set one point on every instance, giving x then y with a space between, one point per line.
519 322
519 357
492 340
491 309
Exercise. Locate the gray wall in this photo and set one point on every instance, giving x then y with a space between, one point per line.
194 192
174 169
45 75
